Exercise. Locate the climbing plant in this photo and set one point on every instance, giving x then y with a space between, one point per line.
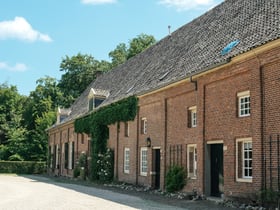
96 124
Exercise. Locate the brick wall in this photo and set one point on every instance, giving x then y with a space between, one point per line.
218 121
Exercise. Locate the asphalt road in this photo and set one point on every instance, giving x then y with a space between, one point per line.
26 193
42 193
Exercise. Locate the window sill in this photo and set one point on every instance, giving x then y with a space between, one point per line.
248 180
192 177
143 174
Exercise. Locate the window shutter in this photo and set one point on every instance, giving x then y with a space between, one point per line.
66 155
189 118
142 126
73 150
239 159
237 107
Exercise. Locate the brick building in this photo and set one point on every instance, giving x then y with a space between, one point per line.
208 101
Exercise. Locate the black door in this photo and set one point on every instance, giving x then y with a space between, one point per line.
217 169
156 168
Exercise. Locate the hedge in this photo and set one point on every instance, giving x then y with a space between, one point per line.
22 167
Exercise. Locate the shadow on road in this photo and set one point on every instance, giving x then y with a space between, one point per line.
128 198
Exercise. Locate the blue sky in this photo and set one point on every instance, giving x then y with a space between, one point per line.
36 34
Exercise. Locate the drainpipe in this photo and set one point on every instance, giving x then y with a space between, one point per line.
165 140
117 151
194 82
137 145
263 126
204 145
60 154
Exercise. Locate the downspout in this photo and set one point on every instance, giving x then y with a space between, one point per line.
194 82
262 127
60 153
165 140
117 150
137 146
204 144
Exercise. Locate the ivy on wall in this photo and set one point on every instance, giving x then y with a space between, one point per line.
96 124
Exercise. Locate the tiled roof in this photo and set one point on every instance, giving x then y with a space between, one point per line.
191 49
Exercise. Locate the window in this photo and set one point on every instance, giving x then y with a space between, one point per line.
126 160
192 117
126 129
192 160
144 125
243 104
94 102
144 161
244 160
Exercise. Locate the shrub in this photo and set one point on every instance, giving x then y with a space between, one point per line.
15 157
105 166
76 172
175 179
22 167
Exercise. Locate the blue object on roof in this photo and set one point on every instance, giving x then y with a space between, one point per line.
229 47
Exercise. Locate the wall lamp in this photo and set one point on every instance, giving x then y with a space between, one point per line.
148 142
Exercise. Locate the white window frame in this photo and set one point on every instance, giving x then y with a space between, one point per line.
194 174
244 107
144 125
243 159
126 160
193 115
144 161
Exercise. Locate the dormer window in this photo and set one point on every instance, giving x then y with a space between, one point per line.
62 114
96 97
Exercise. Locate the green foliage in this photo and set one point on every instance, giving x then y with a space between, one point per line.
15 157
39 114
97 123
81 167
118 55
22 167
175 179
270 197
139 44
105 166
13 133
80 70
76 172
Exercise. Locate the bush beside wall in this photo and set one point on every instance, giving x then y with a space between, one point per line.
22 167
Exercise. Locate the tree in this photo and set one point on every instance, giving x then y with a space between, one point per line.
139 44
80 70
118 55
40 113
12 130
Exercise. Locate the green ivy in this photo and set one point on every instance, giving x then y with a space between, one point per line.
96 124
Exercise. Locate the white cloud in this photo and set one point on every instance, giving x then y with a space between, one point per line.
187 4
19 28
18 67
98 1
